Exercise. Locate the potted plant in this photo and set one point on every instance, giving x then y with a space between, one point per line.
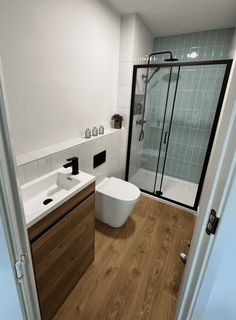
117 118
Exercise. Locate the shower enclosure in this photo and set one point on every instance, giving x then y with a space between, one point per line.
175 109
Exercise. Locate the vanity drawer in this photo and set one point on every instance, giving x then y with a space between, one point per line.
44 224
61 256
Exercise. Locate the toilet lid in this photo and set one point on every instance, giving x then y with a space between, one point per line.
119 189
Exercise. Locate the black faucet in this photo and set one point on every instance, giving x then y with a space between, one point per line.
74 163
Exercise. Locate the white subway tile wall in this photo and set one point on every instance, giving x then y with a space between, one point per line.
113 142
136 43
30 171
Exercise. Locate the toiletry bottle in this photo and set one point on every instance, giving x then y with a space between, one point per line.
87 133
101 130
95 131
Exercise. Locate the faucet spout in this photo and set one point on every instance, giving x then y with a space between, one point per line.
74 163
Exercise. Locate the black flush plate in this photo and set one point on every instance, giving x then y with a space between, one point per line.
99 159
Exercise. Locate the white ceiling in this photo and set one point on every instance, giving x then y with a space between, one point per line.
167 17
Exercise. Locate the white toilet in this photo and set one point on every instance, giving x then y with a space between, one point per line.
115 199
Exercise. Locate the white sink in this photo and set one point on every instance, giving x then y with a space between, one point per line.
43 195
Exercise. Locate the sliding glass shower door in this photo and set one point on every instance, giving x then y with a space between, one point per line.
154 90
174 114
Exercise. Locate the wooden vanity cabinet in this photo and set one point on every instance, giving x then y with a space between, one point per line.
62 247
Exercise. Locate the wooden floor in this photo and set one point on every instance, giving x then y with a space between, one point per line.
137 271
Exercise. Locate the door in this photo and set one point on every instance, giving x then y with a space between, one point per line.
10 303
152 97
214 195
194 118
216 297
14 240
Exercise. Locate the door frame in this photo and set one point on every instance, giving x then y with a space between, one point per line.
228 63
13 218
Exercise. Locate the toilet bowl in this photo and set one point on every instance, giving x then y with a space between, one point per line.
115 199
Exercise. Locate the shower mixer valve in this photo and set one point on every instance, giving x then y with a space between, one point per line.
140 122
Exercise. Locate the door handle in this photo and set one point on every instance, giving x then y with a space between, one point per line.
165 137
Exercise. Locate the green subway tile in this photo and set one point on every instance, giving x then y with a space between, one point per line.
194 109
203 39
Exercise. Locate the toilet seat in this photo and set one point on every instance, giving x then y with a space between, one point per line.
118 189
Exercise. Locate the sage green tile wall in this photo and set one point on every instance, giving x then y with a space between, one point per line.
207 45
195 106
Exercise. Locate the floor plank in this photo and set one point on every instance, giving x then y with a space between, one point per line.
137 271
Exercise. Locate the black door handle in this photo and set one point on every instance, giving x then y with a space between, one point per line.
165 137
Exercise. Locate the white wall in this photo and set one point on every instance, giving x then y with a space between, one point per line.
60 61
136 42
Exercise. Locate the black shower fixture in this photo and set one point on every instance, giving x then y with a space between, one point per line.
147 80
170 59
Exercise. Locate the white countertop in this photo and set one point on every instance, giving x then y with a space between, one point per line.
36 191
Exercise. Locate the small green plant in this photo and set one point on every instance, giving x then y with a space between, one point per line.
117 117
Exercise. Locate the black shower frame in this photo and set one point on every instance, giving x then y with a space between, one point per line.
228 63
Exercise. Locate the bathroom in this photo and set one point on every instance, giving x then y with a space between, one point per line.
67 69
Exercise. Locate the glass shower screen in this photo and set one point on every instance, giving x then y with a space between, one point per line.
174 114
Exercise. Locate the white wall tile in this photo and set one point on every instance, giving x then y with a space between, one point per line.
125 113
138 40
64 155
126 37
55 161
30 171
125 73
20 175
124 96
44 166
111 142
73 152
90 152
109 146
81 156
24 158
117 139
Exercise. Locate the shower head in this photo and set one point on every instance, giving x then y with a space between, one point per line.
170 59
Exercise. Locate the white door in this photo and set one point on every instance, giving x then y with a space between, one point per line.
18 293
216 299
212 197
10 304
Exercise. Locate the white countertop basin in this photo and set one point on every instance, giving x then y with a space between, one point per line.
56 188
